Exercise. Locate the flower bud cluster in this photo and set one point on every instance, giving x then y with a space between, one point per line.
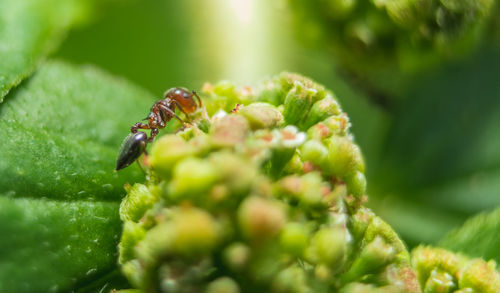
439 270
262 193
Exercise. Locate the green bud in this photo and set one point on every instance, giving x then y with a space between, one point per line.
294 165
321 110
308 190
294 239
297 103
134 273
229 131
289 81
356 184
439 270
378 228
223 285
139 199
189 232
360 221
319 132
261 218
480 276
344 157
440 282
291 280
261 115
338 125
373 257
323 273
222 96
236 173
314 151
166 152
195 232
131 235
426 259
236 256
328 246
192 179
284 143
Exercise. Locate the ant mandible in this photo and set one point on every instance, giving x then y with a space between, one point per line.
161 112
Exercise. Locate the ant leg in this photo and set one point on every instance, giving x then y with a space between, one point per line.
182 110
154 132
169 111
139 125
199 100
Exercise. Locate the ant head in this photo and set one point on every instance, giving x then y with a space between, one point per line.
132 148
184 97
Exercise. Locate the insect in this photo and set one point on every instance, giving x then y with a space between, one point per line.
161 112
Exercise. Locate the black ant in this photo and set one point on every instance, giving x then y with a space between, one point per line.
161 112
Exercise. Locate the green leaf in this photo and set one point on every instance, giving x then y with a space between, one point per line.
29 31
62 130
47 244
478 237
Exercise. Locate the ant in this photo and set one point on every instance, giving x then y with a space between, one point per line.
161 112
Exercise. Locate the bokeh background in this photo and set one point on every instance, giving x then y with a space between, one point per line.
431 142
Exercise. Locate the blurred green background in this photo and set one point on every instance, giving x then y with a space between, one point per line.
433 154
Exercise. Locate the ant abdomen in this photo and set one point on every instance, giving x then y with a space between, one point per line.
132 147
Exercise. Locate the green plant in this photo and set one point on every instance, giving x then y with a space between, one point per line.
60 200
385 43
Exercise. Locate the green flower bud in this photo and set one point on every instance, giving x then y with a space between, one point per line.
374 256
284 143
223 285
236 173
297 103
328 246
356 184
314 151
439 270
189 232
321 110
229 130
237 256
440 281
261 218
294 239
291 280
344 158
139 199
261 115
134 273
426 259
223 96
166 152
192 178
132 234
480 276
